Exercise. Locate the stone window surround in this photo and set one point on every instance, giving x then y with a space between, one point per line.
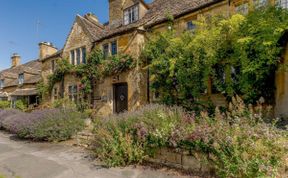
109 44
74 52
129 12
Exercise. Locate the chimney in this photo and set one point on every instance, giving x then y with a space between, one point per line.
16 60
116 11
92 18
46 49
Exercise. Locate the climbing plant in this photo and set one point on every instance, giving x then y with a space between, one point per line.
238 55
63 67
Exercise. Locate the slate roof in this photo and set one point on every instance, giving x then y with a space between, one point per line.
10 75
157 13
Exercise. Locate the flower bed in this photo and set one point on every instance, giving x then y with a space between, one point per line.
42 125
238 143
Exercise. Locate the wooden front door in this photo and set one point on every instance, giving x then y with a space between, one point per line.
120 97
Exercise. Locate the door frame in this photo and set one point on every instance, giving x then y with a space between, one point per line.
115 85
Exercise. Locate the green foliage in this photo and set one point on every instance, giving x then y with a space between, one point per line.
5 104
63 67
237 143
21 105
59 127
239 54
42 88
64 103
98 67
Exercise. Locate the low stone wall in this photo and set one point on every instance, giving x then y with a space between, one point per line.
193 162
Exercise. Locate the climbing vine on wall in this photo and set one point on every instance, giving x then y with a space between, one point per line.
239 55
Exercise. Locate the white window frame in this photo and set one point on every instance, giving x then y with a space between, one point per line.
2 84
74 61
21 79
131 14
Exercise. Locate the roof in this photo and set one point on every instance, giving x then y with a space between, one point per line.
25 92
11 75
157 13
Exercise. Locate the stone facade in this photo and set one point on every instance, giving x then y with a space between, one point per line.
87 32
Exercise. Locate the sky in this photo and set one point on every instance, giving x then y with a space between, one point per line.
25 23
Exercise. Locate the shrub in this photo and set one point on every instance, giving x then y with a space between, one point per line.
58 126
19 104
124 139
43 125
238 142
4 104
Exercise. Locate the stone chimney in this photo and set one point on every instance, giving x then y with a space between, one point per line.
116 11
46 49
92 18
15 60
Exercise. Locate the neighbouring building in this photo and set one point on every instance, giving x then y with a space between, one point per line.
19 82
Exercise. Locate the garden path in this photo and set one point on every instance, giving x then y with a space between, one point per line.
45 160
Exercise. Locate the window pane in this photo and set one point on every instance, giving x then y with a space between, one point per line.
84 55
21 79
78 56
131 15
242 9
105 50
114 48
191 25
72 57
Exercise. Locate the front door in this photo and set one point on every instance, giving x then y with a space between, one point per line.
120 98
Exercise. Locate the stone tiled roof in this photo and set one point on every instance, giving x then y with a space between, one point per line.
157 13
94 29
25 92
32 67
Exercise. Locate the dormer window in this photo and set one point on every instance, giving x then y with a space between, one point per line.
2 84
21 79
131 14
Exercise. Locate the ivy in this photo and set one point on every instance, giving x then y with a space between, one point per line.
98 67
238 54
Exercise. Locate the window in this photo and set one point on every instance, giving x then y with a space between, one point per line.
83 55
260 3
242 9
53 65
2 84
72 92
114 50
78 56
282 4
191 25
21 79
106 50
131 15
55 93
72 57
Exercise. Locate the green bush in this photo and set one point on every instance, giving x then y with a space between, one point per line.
238 142
5 104
19 104
58 126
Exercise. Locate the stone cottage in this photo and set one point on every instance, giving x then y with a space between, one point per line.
131 22
19 82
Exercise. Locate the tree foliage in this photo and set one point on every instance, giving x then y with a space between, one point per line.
238 54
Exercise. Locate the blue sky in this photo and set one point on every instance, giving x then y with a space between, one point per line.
20 19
